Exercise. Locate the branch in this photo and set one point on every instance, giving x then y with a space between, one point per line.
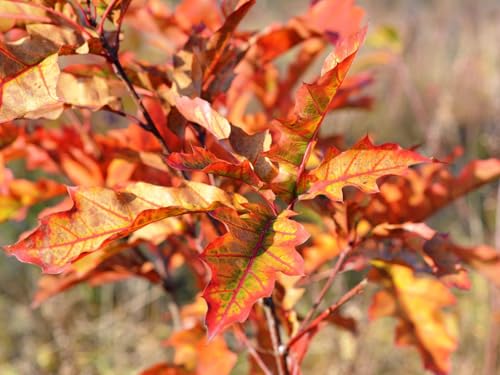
251 350
326 287
329 311
113 59
274 330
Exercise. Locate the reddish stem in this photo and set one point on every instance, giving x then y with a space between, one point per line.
326 287
329 311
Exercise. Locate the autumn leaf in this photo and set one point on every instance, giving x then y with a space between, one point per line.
8 134
110 264
426 190
312 103
359 166
205 161
245 260
31 92
417 302
89 92
100 215
200 112
198 355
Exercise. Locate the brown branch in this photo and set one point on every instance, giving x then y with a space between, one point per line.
329 311
274 330
251 350
326 287
114 60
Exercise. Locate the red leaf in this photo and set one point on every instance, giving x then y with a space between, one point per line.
244 262
360 166
100 215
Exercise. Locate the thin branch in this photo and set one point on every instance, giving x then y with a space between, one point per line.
63 17
326 287
100 28
251 350
113 59
329 311
274 330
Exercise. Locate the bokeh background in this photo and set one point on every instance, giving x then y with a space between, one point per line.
441 89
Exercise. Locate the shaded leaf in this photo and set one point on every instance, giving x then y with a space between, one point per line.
100 215
427 189
360 166
245 260
205 161
417 303
110 264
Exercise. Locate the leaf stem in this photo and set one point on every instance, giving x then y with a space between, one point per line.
329 311
114 60
326 287
251 350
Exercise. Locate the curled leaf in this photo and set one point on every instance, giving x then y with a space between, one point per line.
200 112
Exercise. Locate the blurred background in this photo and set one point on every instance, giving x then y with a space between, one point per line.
441 89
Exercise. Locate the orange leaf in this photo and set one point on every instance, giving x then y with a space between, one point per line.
312 102
194 353
360 166
100 215
417 302
425 190
207 162
200 112
31 91
245 260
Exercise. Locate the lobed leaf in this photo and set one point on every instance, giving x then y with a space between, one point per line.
244 262
205 161
417 302
312 102
360 166
100 215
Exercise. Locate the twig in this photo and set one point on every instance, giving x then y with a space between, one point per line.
274 330
113 59
251 350
62 16
100 28
326 287
329 311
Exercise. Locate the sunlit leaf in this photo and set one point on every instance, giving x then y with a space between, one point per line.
359 166
245 260
312 102
100 215
31 92
200 112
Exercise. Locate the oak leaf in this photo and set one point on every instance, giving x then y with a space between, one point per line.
244 261
359 166
100 215
205 161
312 102
200 112
417 302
